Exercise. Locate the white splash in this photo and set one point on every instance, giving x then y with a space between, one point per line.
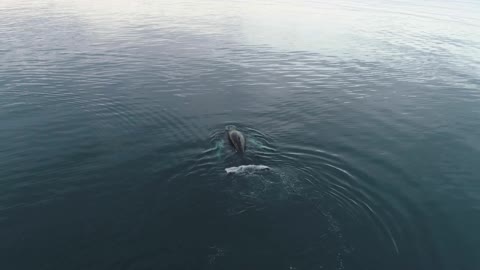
247 169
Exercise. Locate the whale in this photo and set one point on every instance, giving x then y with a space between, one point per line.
237 139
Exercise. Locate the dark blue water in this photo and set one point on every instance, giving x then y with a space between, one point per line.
112 134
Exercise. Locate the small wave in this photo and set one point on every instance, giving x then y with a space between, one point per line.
247 169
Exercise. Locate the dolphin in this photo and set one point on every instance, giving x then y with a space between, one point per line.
237 139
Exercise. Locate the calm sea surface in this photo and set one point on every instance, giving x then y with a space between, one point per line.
113 150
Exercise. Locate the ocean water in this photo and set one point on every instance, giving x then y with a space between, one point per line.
362 122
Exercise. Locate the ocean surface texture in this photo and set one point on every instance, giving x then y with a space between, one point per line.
361 117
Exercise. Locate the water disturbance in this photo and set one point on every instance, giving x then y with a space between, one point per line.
361 121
